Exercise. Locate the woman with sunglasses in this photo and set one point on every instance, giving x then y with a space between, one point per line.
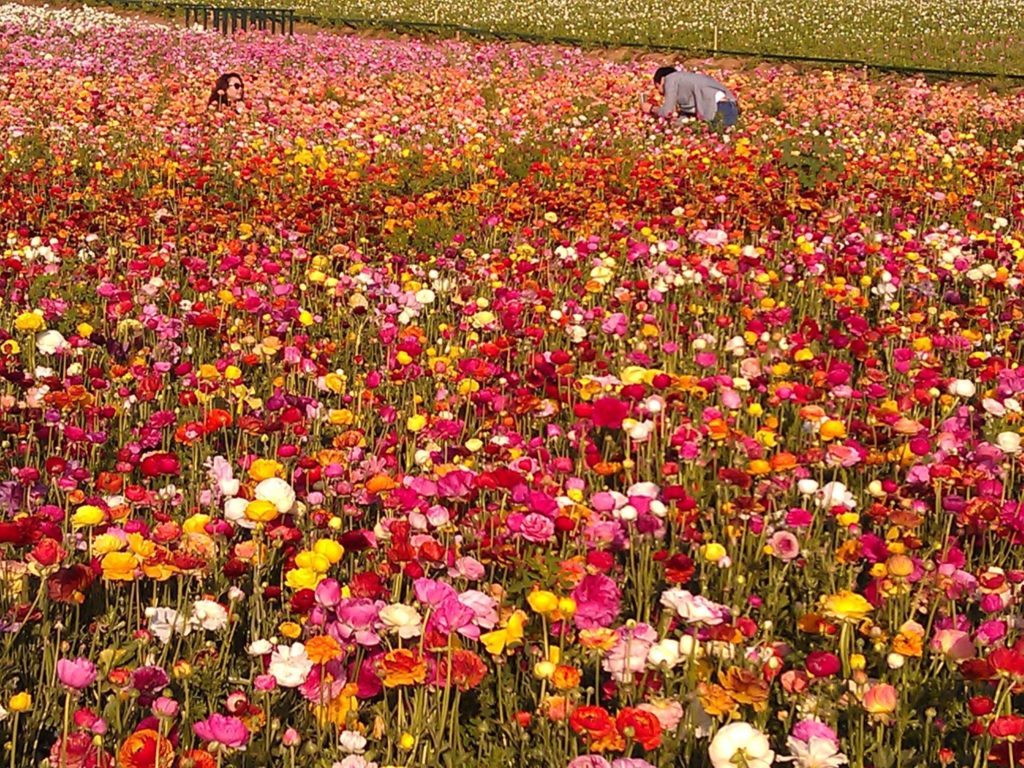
227 91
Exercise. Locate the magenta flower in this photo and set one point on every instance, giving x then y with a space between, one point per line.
597 601
76 674
228 731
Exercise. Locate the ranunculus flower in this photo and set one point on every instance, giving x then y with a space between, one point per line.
738 742
597 601
278 492
290 665
77 674
228 731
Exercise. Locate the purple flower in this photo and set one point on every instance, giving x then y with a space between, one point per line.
77 674
148 681
597 601
229 731
631 762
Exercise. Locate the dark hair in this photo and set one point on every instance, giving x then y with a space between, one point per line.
219 94
662 73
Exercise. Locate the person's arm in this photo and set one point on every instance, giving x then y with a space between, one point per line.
671 103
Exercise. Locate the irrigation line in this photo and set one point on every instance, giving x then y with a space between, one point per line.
398 25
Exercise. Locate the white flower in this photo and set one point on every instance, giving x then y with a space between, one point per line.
1009 442
403 619
351 741
665 652
962 388
691 608
738 742
278 492
234 513
807 486
48 342
259 648
164 622
290 665
816 753
209 615
650 490
835 494
424 296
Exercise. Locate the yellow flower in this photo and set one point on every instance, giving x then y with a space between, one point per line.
29 321
264 469
20 702
330 549
290 629
566 606
260 511
119 566
510 635
543 601
303 578
313 561
416 423
713 552
846 605
832 430
87 516
407 741
105 543
196 523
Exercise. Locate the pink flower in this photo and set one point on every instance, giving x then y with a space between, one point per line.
954 644
537 528
597 601
77 674
784 545
228 731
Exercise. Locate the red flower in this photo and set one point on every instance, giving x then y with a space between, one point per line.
160 463
643 727
1007 663
679 569
1009 727
609 412
592 720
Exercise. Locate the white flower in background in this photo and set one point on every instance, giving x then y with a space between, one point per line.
402 619
234 513
962 388
835 494
740 744
290 665
1009 442
664 652
209 615
693 609
48 342
259 648
278 492
164 622
351 741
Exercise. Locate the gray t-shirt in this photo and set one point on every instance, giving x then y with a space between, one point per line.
693 93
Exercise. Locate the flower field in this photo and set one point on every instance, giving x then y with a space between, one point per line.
441 410
947 34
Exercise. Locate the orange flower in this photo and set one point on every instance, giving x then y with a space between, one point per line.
323 649
566 677
715 699
145 749
601 639
198 758
746 687
402 667
908 644
379 483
